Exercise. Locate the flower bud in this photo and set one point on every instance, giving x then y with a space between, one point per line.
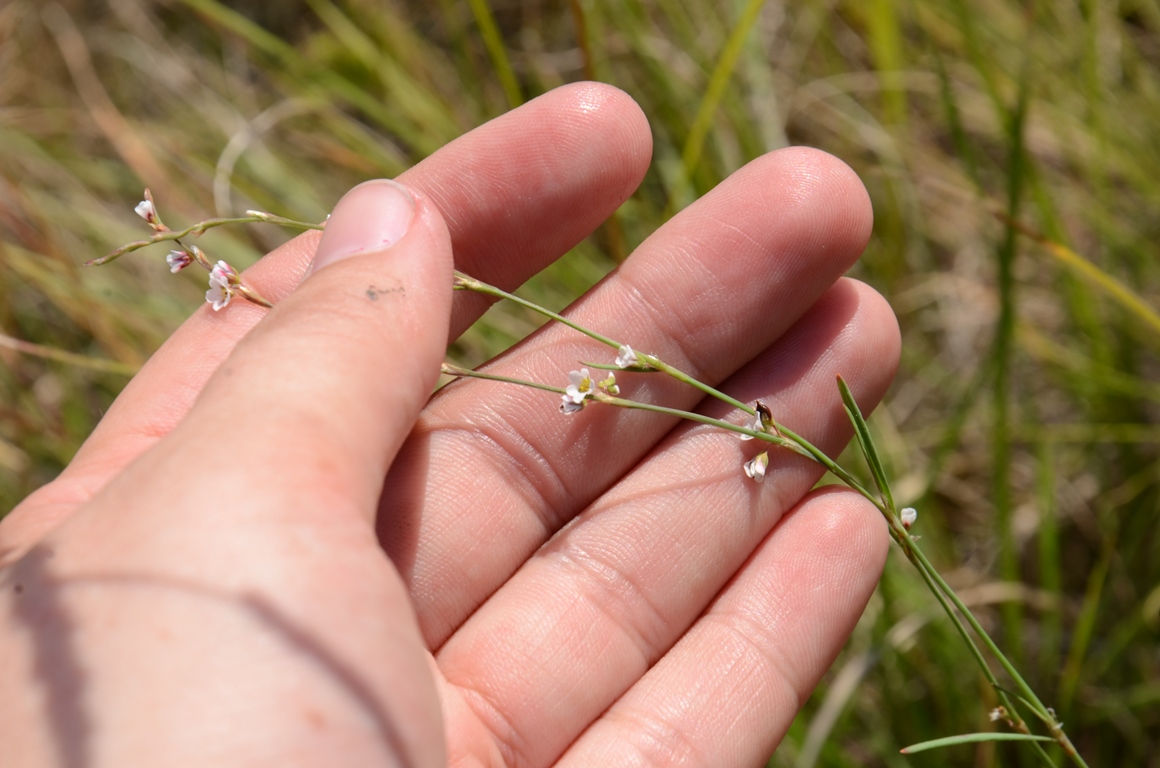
908 516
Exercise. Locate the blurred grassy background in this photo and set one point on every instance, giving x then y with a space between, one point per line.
1013 156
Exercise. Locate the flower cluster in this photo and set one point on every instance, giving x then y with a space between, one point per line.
582 388
224 280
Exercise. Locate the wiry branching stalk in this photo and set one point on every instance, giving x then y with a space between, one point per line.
585 389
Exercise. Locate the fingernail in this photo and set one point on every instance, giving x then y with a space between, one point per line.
371 217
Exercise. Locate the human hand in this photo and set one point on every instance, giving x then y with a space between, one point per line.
223 576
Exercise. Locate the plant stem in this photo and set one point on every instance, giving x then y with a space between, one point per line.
804 447
465 282
620 402
251 217
467 373
783 437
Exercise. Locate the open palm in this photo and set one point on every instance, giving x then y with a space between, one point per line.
274 550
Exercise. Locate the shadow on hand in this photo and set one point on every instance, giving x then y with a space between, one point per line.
38 604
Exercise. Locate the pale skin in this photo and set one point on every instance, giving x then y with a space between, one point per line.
276 550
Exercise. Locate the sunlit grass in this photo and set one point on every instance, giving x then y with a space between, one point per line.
1024 421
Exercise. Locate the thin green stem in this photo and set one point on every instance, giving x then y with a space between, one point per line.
465 282
932 579
468 283
970 738
817 455
680 375
767 437
169 235
939 587
466 373
620 402
1029 694
945 588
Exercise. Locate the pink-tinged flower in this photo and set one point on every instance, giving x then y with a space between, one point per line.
221 279
223 272
908 516
755 467
755 425
568 406
627 358
146 211
178 260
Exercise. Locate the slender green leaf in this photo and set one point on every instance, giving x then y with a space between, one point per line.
495 48
970 738
722 72
862 432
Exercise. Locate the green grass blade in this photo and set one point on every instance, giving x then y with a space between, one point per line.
1001 448
1085 625
970 738
101 365
722 72
403 90
1092 275
496 50
886 48
321 81
1050 559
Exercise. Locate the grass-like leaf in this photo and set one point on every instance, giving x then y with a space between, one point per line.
866 442
969 738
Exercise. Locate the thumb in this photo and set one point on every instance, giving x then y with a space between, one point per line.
321 394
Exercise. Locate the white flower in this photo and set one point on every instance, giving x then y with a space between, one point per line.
908 516
146 211
627 358
609 385
996 714
580 386
756 466
220 289
219 295
178 260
